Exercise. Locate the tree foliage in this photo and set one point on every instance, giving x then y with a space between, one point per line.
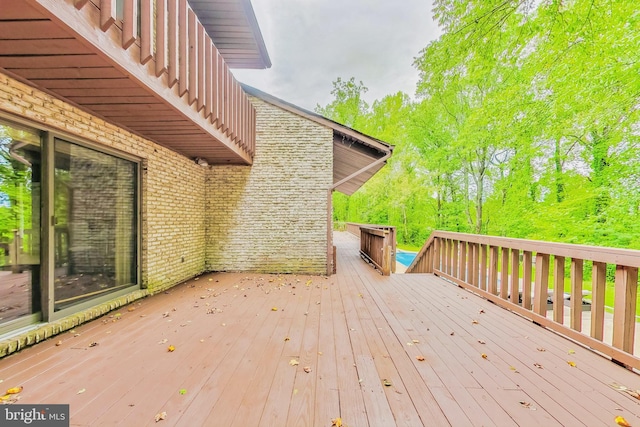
526 124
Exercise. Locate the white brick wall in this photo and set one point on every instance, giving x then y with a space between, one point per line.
272 217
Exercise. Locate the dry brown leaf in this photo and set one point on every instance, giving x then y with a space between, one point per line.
336 422
452 333
572 364
166 314
93 344
484 356
15 390
307 369
537 365
481 342
82 390
386 383
59 343
527 405
160 416
294 362
287 339
481 311
621 421
131 309
171 348
416 341
420 358
474 322
541 349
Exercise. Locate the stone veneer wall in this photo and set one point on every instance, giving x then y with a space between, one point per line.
173 226
273 216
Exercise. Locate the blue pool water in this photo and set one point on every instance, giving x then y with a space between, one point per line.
405 258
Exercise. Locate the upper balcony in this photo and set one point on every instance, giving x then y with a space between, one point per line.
149 66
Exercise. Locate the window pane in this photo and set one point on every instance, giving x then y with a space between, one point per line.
95 211
20 173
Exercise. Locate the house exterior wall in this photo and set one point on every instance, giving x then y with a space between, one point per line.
273 216
172 208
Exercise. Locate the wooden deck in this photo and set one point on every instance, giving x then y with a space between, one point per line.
360 335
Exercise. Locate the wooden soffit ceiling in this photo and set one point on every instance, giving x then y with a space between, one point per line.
233 27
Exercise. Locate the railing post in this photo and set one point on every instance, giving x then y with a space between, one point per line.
504 274
386 260
483 267
515 276
493 270
558 289
454 264
463 261
624 310
527 269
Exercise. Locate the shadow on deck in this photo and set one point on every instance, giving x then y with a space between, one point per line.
361 336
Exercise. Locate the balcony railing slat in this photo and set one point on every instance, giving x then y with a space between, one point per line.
183 47
504 274
129 23
624 319
79 4
577 274
598 286
202 67
493 270
209 90
161 37
107 14
173 37
527 272
146 31
193 57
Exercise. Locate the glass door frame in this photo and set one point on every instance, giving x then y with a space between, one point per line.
47 225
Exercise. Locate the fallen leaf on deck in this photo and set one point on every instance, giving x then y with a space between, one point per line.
166 314
309 282
336 422
93 344
183 391
481 342
409 343
319 353
171 348
164 341
307 369
15 390
541 349
287 339
621 421
131 309
386 383
513 368
474 322
452 333
572 352
294 362
484 356
202 340
537 365
59 343
82 390
416 341
420 358
572 364
481 311
161 416
527 405
274 308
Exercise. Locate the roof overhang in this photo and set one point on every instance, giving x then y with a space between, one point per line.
233 27
356 156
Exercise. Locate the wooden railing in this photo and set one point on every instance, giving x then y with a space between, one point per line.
517 274
377 245
169 32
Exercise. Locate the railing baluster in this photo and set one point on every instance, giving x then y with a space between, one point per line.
193 56
598 287
183 47
624 318
514 288
107 14
504 274
454 264
541 285
161 37
173 37
202 67
493 270
129 23
576 294
527 268
464 268
558 289
473 250
146 31
483 267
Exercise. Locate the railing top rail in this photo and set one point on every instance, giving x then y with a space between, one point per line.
626 257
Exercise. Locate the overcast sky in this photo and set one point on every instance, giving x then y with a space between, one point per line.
313 42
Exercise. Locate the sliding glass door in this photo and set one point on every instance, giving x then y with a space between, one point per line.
95 223
20 183
68 226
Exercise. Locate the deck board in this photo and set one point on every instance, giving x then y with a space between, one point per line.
354 330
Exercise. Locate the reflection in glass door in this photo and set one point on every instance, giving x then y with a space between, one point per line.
20 185
95 224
